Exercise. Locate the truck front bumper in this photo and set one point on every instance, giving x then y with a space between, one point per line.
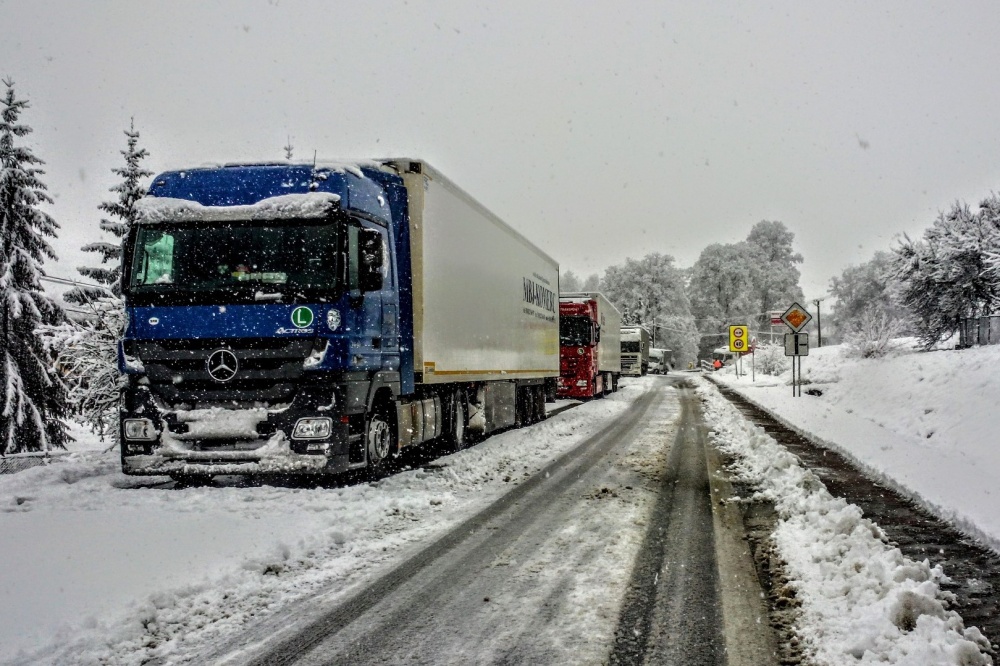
575 387
157 441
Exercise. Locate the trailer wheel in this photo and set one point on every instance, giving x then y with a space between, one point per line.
379 437
540 403
455 438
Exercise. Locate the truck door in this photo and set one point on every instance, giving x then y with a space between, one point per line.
376 320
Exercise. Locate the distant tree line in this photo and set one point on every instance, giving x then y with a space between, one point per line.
689 310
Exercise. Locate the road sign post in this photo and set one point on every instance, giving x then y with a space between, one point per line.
796 344
739 343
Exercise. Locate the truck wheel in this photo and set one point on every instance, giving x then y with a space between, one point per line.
379 438
540 403
607 384
455 436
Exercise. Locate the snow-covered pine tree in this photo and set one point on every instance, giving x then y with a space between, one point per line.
122 213
32 396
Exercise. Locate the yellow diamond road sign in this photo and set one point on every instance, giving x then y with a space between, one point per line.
796 317
739 341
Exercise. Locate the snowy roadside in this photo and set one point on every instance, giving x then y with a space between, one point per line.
862 601
106 568
921 423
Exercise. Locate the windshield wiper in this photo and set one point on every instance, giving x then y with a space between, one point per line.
261 296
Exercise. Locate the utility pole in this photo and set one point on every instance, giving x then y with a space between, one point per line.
819 324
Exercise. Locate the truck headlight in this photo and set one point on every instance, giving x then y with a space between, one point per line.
140 429
313 428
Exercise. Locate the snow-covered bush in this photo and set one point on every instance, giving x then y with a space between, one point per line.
771 359
874 334
87 357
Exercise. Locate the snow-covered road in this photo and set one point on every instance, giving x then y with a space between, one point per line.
106 568
536 577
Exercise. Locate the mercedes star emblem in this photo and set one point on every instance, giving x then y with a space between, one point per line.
222 365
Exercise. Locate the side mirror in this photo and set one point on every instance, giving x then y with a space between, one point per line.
371 253
597 333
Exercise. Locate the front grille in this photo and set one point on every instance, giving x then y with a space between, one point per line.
268 369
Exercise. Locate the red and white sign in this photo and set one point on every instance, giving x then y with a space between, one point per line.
796 317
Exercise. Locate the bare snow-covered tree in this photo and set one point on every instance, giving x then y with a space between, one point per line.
592 283
721 290
122 215
773 270
738 283
568 282
651 292
87 356
871 285
32 396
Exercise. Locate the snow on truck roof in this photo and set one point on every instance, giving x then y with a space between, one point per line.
351 166
152 210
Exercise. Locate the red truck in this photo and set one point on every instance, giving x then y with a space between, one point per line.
589 345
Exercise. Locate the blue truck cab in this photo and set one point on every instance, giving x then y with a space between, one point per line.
265 311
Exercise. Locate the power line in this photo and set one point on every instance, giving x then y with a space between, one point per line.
74 283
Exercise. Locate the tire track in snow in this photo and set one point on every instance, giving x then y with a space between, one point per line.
438 570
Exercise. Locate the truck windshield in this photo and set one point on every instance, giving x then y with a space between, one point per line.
244 261
631 347
575 331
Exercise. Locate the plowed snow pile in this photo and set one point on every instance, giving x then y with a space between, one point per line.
863 602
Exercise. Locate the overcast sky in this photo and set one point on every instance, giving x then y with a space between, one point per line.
601 130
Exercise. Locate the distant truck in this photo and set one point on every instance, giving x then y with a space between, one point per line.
635 351
659 361
590 354
316 318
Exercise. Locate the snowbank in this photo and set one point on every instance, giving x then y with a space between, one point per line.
922 422
862 600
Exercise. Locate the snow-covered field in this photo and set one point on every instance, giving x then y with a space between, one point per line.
924 422
104 568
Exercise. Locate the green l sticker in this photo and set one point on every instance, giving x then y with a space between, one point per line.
302 317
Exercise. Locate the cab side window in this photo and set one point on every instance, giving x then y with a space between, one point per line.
353 257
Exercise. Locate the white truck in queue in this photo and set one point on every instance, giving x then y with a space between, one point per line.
635 351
